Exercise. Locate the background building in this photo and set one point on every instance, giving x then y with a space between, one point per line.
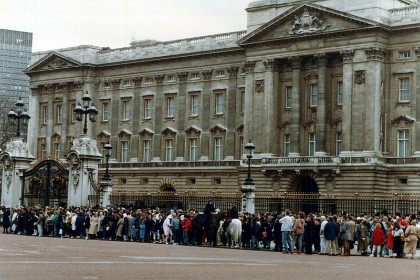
15 56
328 92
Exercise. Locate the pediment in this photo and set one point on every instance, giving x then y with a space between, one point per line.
53 61
193 130
169 131
402 119
306 20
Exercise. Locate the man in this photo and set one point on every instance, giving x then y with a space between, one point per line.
331 232
233 212
286 228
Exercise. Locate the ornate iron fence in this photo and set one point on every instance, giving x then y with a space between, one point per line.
328 203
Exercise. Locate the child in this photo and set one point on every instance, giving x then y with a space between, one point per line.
377 239
389 240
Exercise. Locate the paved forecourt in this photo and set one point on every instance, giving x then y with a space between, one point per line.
26 257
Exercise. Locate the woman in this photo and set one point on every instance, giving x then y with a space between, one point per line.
120 225
398 235
167 229
389 240
412 233
298 230
6 220
93 228
363 238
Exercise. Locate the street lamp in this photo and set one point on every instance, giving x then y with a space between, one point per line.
15 117
249 147
108 149
87 109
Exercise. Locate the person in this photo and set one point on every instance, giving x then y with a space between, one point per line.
377 240
277 235
209 209
298 230
362 244
398 235
412 233
175 228
167 228
389 240
233 212
93 228
186 227
346 235
323 242
286 228
6 220
331 231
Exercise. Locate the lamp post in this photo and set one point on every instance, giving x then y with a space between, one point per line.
106 180
108 149
20 114
249 147
87 109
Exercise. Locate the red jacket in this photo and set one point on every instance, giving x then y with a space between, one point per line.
378 237
186 224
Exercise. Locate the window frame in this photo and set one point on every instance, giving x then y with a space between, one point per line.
405 141
313 98
288 97
219 103
400 90
312 144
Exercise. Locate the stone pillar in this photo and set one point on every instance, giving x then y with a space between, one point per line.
231 112
84 158
181 114
347 101
207 114
65 118
50 122
271 107
321 109
106 193
157 119
372 133
249 101
34 121
15 159
295 138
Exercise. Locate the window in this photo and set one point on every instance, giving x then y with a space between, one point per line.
193 149
127 83
44 114
403 143
404 89
241 146
218 148
105 111
314 95
288 101
338 141
220 73
146 150
107 85
125 110
72 115
148 81
219 103
170 103
123 181
312 143
43 150
403 181
169 147
217 181
171 78
124 151
57 150
191 181
286 147
404 54
194 104
59 113
148 108
242 104
340 93
195 76
145 181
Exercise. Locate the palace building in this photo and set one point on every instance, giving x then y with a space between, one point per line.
328 91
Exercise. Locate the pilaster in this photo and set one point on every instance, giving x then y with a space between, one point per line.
249 67
295 138
207 114
321 110
347 99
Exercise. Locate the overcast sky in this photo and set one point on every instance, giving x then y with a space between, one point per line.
114 23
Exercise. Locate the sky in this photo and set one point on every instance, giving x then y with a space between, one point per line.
115 23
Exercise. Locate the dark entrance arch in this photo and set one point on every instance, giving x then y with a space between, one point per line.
307 188
46 184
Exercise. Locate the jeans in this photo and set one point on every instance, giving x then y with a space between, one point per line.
285 237
323 245
297 241
254 242
185 236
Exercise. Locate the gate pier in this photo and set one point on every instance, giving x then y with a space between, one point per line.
15 159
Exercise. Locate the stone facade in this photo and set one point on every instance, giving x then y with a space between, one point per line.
326 90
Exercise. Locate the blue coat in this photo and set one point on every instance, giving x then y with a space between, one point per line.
142 231
331 230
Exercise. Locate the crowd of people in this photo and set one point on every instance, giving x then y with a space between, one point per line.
379 235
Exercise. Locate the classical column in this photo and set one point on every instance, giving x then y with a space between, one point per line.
271 107
321 109
181 113
295 138
207 114
159 103
34 121
249 133
50 118
136 123
64 88
347 101
375 57
231 112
